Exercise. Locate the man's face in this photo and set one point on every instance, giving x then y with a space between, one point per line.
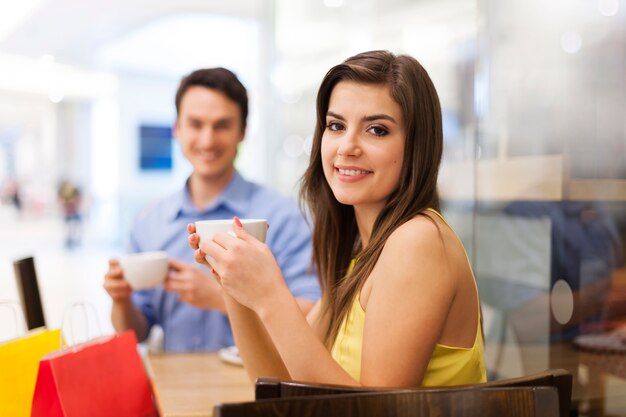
209 128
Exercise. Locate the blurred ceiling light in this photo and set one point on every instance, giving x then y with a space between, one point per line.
46 61
14 13
56 95
360 39
608 7
293 146
285 79
428 42
571 42
26 75
308 145
174 45
333 3
278 74
290 97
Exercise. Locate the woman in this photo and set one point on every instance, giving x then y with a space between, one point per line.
399 306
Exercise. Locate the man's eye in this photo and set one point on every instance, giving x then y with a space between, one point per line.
225 123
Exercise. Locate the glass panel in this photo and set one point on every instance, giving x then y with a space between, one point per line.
550 176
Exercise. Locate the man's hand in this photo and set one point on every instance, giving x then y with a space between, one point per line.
194 286
124 314
114 283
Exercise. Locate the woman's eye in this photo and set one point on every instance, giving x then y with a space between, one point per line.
334 126
378 130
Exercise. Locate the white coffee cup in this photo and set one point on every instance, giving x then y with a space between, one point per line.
206 229
145 269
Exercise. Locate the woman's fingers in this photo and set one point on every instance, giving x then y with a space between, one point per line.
193 240
240 232
200 257
225 240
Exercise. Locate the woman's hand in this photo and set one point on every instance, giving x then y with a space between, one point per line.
245 267
194 241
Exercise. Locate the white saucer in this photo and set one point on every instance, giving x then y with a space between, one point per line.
601 342
230 355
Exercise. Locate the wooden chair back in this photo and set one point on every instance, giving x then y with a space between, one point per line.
557 378
441 402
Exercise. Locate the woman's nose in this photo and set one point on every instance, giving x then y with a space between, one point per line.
349 145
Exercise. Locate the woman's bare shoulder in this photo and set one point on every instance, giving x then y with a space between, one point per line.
421 232
413 267
419 249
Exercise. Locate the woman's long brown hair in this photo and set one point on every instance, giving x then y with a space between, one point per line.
335 235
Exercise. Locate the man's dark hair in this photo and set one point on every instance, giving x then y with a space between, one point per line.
219 79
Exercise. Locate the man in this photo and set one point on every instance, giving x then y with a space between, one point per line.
212 107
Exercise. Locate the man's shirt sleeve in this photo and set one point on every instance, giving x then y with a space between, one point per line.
290 241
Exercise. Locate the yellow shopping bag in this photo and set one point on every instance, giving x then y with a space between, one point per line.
19 362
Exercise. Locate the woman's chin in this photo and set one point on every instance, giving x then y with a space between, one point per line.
348 200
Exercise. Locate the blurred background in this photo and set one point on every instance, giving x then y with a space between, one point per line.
534 109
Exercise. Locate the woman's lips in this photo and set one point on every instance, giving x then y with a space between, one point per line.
351 174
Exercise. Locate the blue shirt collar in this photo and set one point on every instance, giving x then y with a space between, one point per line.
236 196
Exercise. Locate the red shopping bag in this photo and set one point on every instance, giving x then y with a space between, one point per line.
102 377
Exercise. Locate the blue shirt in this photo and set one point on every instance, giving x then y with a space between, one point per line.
162 226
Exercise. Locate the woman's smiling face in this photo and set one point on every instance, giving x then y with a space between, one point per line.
363 144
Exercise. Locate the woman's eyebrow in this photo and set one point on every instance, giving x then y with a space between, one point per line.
335 115
371 118
379 117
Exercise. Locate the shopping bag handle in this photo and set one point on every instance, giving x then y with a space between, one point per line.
67 313
15 308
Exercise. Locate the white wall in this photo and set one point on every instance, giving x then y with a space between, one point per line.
144 100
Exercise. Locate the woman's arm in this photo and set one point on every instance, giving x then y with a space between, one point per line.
411 291
256 348
267 322
407 299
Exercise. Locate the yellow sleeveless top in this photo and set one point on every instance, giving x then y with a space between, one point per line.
448 365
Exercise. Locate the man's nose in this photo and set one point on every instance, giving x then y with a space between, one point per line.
207 135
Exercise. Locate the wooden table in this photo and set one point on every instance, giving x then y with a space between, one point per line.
190 384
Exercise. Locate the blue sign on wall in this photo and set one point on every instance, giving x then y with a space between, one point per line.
155 148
